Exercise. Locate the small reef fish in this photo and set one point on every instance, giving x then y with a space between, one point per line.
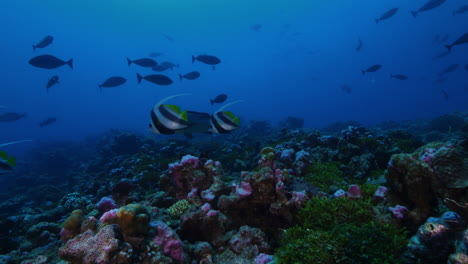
219 99
461 40
346 88
47 122
399 76
167 119
462 9
387 15
143 62
49 62
431 4
372 68
113 82
155 54
6 163
207 59
46 41
190 76
11 117
359 46
52 81
449 69
155 78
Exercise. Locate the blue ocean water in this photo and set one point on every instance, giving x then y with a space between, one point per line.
293 66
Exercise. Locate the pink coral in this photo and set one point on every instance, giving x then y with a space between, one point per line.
109 217
244 189
354 192
380 193
399 211
263 259
298 198
169 241
106 204
88 248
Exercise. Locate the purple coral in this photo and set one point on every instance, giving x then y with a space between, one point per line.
399 211
106 204
169 242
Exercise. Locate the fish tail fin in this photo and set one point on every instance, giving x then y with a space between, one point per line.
376 21
70 63
181 77
139 77
414 13
212 102
129 62
34 47
363 72
449 47
193 59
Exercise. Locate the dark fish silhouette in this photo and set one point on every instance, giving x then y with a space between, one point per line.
48 121
387 15
52 81
256 27
466 67
155 78
46 41
207 59
372 68
449 69
399 76
431 4
113 82
155 54
49 62
346 88
160 68
445 95
219 99
190 76
441 55
461 40
359 46
462 9
169 65
144 62
11 117
441 80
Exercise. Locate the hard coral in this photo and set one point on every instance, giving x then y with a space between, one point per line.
133 219
72 226
169 241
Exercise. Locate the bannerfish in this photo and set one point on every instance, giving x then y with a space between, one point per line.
223 122
155 54
207 59
155 78
48 121
449 69
190 76
219 99
167 119
144 62
372 68
431 4
6 163
399 76
346 88
46 41
387 15
49 62
462 9
461 40
52 81
359 46
113 82
11 117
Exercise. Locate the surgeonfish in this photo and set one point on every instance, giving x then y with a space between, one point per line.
462 9
113 82
52 81
387 15
372 68
220 98
155 78
144 62
11 117
49 62
190 76
207 59
46 41
399 76
430 4
47 122
461 40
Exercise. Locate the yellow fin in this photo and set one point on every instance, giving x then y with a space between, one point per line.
174 108
11 161
3 155
184 115
236 120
